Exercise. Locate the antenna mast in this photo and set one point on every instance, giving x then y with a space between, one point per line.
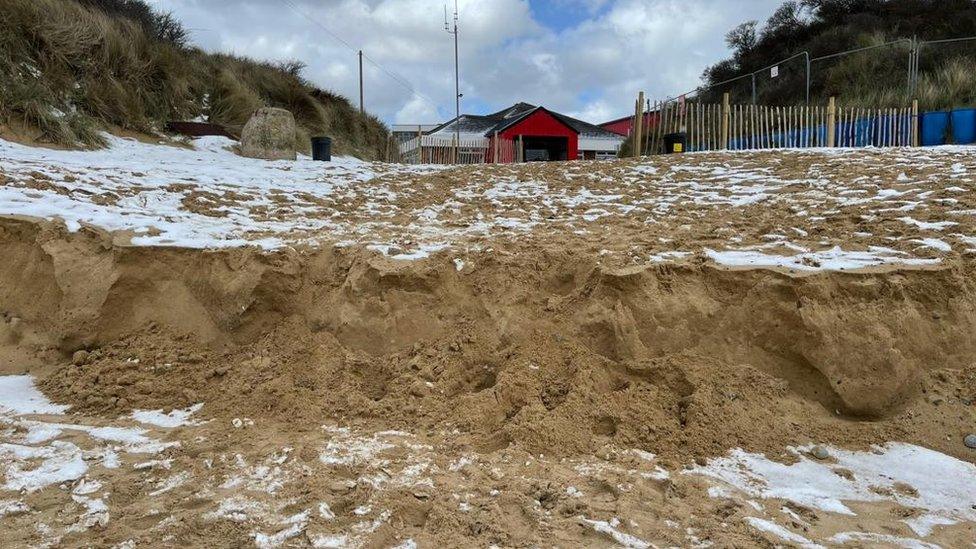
457 78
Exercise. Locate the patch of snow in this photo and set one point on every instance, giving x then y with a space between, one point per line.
155 212
664 257
175 418
609 529
323 541
940 485
170 483
96 514
923 525
934 243
928 226
460 463
60 462
38 432
294 526
166 464
267 477
87 487
859 538
348 449
834 259
782 533
12 507
325 511
237 509
19 395
659 473
133 440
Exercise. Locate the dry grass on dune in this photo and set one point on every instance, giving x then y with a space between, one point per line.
73 67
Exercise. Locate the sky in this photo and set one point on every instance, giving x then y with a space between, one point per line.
584 58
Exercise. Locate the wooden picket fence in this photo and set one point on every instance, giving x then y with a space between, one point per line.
710 127
433 149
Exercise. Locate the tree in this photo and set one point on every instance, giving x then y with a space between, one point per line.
743 38
823 27
836 10
787 19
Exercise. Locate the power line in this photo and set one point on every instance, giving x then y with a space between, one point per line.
399 79
395 77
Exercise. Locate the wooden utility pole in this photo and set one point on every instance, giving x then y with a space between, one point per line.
831 121
362 106
639 126
457 77
726 116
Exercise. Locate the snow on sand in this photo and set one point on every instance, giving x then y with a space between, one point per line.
798 210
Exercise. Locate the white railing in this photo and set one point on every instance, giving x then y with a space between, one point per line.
436 149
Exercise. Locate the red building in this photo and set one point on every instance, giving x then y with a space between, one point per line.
537 133
543 136
625 126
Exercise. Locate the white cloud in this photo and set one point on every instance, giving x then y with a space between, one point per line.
595 111
416 111
592 70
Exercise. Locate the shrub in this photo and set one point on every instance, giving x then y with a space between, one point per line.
877 77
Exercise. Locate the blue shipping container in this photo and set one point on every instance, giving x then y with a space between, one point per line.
964 126
935 128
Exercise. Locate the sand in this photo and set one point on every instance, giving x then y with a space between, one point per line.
500 375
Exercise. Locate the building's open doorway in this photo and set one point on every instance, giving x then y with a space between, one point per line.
544 149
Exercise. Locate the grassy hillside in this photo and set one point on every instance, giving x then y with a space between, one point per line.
70 68
947 74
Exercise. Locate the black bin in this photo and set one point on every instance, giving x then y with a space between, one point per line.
675 142
322 148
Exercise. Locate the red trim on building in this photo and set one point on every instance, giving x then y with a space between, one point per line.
541 123
624 126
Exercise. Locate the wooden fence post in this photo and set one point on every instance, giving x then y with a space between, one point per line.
633 129
726 115
420 145
831 120
646 128
915 123
633 120
639 126
651 129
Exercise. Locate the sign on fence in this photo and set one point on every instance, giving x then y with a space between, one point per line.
774 72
